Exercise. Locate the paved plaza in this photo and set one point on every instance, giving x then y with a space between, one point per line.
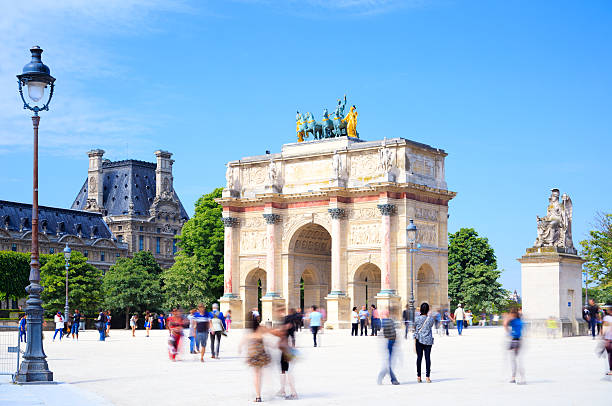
471 369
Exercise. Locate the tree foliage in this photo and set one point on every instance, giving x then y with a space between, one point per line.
597 250
201 255
472 274
133 284
84 284
14 274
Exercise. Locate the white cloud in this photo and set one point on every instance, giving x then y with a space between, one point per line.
74 35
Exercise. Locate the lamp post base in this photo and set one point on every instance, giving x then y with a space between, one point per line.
35 370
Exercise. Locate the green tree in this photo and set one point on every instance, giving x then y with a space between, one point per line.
14 274
201 240
597 250
184 284
133 284
482 291
466 250
84 284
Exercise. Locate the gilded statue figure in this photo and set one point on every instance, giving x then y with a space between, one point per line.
555 230
300 127
351 122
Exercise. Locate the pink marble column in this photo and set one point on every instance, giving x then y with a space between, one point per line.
385 250
230 224
336 214
271 220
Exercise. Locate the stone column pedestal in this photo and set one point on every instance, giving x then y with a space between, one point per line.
273 310
338 311
389 302
551 282
234 304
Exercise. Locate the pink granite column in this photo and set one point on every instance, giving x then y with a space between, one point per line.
336 214
230 224
386 210
271 220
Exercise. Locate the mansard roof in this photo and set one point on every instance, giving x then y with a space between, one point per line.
125 182
16 216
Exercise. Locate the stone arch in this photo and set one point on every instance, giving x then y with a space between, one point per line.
426 286
253 289
294 225
365 285
104 242
309 265
71 239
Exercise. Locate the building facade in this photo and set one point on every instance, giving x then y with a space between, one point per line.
82 231
137 201
323 223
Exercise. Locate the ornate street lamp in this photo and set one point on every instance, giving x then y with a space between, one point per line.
411 237
36 76
67 252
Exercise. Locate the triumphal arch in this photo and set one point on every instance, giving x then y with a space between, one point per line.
323 222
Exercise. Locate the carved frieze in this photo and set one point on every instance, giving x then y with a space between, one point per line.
364 213
364 234
422 165
426 214
253 241
428 233
363 165
253 176
253 222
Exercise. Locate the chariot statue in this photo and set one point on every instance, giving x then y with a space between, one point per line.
555 229
335 125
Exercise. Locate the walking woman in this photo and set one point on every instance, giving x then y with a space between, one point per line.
148 322
257 356
607 336
228 320
514 325
423 340
375 320
133 322
354 322
108 322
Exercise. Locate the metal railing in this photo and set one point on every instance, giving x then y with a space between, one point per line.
10 350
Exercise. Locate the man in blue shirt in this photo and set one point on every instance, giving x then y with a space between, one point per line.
363 320
22 328
202 319
315 323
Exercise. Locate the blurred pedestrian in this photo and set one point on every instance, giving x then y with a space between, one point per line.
216 331
76 323
291 322
607 336
101 325
388 327
354 322
363 320
469 317
161 321
202 319
514 326
551 327
134 324
23 328
192 324
108 323
423 340
406 318
375 320
300 317
593 312
315 318
257 357
228 319
459 318
287 355
59 325
148 322
446 319
175 327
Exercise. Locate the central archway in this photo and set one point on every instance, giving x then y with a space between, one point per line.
365 285
309 266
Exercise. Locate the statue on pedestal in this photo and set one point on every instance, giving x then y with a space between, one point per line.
385 159
272 178
335 125
229 177
555 229
351 122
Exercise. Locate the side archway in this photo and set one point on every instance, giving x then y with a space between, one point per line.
365 285
253 290
426 286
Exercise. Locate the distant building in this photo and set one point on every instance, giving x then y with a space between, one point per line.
82 231
138 202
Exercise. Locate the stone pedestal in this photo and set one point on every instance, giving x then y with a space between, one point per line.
338 311
551 281
272 310
230 193
233 303
391 302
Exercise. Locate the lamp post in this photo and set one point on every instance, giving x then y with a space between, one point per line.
36 76
411 237
67 252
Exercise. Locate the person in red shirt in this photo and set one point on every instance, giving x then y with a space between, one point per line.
175 326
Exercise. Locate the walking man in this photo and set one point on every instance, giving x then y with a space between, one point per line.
459 318
406 318
593 310
315 323
76 321
217 328
101 325
363 320
202 319
59 325
22 328
388 328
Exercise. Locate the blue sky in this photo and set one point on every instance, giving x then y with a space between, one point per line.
517 93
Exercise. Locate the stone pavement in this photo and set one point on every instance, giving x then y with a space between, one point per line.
471 369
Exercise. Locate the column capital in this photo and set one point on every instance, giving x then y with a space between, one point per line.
386 209
271 218
230 221
336 213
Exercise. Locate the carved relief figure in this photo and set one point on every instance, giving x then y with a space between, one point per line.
272 174
337 165
92 185
229 177
351 122
555 229
385 159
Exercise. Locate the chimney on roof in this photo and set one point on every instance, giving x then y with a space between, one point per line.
164 188
95 197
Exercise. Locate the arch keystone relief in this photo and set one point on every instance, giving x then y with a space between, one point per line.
312 240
